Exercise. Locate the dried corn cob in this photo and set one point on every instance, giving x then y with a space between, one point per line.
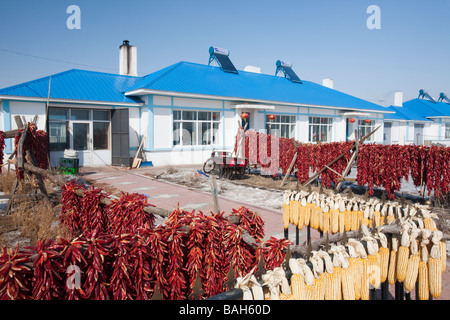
403 253
329 276
373 258
292 211
309 208
353 257
302 213
435 266
341 216
297 280
309 282
365 217
384 256
296 209
334 218
443 251
348 217
286 210
326 220
390 215
424 287
317 263
355 217
412 268
392 271
347 282
377 215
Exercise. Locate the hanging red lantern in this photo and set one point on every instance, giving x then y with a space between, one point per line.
244 115
367 121
271 117
352 120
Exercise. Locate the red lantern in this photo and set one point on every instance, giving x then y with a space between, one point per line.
271 117
244 115
367 121
352 120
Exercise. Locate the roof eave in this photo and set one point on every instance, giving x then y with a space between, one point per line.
39 99
144 91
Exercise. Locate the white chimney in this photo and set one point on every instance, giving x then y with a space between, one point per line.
398 99
252 69
128 59
329 83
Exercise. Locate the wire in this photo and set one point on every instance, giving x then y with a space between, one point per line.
56 60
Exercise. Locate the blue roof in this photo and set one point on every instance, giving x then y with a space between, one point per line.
404 113
77 84
428 109
192 78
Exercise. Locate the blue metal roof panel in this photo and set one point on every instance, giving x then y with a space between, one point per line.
404 113
77 84
186 77
427 108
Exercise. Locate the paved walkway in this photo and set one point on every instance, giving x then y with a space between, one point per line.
168 195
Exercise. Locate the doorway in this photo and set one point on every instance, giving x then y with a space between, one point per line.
418 133
387 135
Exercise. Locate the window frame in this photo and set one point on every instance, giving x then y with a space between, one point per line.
447 130
291 125
196 128
368 128
329 126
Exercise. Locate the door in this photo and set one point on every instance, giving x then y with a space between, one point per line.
81 141
387 133
418 133
120 138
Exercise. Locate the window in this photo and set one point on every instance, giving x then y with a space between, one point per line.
73 129
320 129
281 126
192 128
365 128
447 130
58 128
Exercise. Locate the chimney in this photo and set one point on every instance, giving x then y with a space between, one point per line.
398 99
127 59
252 69
329 83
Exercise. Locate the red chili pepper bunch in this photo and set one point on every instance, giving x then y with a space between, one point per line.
386 165
2 146
274 252
93 216
15 275
73 261
126 214
71 208
47 282
304 162
243 256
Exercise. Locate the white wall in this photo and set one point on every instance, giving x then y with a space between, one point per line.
29 110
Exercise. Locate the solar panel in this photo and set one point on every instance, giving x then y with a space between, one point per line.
221 56
288 71
443 97
423 94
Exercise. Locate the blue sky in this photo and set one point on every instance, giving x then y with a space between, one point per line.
322 39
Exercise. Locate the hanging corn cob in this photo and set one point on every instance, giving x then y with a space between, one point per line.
435 266
329 276
337 273
286 209
365 217
341 216
297 280
348 217
302 213
352 264
424 287
412 268
277 283
373 258
384 256
377 215
319 293
392 271
309 207
309 280
295 209
403 252
355 217
347 282
428 220
334 217
362 267
390 215
326 220
321 215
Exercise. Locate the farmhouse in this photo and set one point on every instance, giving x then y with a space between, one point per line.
419 121
181 112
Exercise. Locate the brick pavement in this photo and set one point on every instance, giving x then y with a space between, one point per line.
168 195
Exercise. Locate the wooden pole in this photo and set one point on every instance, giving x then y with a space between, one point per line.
350 163
289 170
